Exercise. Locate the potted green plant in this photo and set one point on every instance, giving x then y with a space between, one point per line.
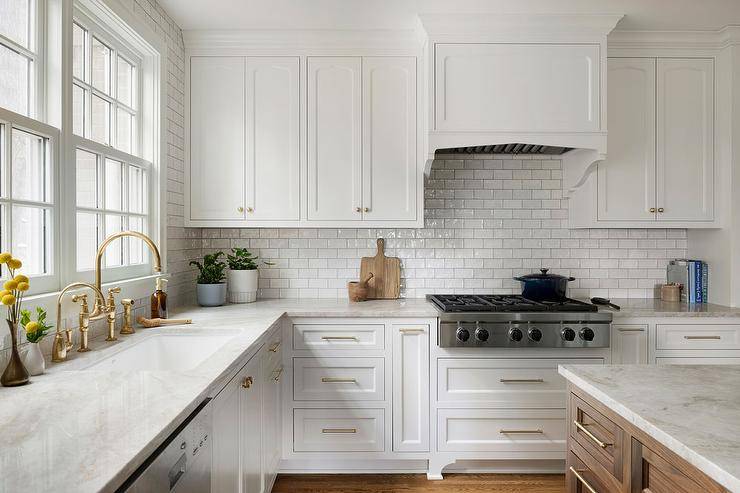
211 288
243 276
35 331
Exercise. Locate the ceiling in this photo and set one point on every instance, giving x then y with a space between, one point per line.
400 14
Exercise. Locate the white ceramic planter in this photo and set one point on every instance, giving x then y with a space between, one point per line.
34 359
242 285
211 294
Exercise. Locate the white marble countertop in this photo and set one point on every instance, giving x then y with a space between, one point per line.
692 410
638 307
86 430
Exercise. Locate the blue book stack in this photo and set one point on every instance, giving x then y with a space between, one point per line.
693 276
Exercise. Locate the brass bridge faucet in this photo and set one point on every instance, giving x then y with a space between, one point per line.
103 308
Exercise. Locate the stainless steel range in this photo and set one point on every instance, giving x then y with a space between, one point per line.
512 321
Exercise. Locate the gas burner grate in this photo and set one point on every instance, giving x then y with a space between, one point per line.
505 303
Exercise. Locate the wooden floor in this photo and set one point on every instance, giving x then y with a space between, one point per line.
409 483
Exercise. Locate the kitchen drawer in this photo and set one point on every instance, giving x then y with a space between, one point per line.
508 383
338 336
338 430
509 430
672 360
709 336
583 476
597 435
338 379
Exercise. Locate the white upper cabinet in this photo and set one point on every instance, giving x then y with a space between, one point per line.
335 138
273 139
217 139
389 138
502 87
626 181
685 139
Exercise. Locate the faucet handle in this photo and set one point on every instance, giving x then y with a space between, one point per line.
111 299
81 298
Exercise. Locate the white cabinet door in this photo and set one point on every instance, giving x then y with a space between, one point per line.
271 420
334 139
517 87
685 139
250 418
217 138
410 388
225 473
389 138
626 180
273 138
629 344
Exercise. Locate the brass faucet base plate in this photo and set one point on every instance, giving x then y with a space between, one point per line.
127 332
109 339
83 350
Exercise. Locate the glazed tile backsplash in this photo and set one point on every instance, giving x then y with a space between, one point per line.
488 218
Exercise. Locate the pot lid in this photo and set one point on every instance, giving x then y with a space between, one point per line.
543 275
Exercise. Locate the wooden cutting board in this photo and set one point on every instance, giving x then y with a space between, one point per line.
386 281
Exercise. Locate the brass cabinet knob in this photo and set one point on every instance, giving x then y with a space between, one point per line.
652 210
661 210
247 383
358 209
240 209
250 210
366 209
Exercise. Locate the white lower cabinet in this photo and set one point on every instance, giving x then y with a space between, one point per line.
410 388
338 430
629 344
246 428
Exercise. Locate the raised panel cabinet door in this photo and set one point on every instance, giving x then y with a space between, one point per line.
225 473
273 138
334 139
389 138
217 138
685 139
410 388
626 180
629 344
250 418
517 87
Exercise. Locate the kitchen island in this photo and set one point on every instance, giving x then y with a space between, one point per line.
676 428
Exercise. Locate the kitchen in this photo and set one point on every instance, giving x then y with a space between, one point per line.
296 247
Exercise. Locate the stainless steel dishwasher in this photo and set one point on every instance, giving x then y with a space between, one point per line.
182 463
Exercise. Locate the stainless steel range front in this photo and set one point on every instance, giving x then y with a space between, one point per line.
510 321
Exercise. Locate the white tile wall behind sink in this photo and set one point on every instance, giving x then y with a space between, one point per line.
488 218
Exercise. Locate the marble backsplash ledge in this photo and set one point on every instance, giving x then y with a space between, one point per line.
488 219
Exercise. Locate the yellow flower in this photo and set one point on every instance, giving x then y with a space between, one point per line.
15 263
10 285
8 300
32 326
3 293
23 286
20 278
4 257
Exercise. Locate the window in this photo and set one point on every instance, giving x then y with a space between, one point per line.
18 56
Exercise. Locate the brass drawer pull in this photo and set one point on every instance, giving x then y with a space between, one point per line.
278 374
522 380
247 383
274 348
582 480
340 338
631 330
337 380
698 338
411 331
339 431
581 427
521 432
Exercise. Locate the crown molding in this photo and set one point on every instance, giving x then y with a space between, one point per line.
301 40
659 40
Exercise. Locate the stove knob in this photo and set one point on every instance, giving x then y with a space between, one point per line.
462 335
535 334
568 334
587 334
515 335
481 335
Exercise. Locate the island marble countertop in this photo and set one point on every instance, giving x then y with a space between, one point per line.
85 430
692 410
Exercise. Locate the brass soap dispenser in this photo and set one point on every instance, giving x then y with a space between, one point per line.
159 300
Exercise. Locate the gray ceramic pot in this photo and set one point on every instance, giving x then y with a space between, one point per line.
211 294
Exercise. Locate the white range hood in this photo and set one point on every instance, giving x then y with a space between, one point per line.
529 79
